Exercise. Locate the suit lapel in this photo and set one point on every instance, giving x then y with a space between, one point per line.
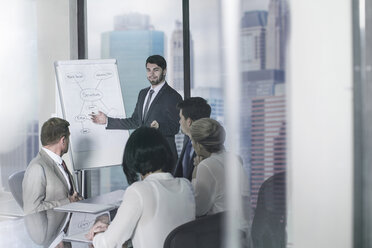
52 164
156 99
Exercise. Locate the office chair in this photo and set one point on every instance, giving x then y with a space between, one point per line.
204 232
15 185
269 222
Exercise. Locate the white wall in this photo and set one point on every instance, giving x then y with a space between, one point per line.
56 40
320 124
56 25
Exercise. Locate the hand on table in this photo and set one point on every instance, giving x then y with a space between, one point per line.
98 227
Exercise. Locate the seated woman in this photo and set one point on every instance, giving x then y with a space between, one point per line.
209 182
155 202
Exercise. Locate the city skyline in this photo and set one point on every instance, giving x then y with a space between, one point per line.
205 31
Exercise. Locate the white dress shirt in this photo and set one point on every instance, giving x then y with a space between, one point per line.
210 186
58 160
150 210
156 90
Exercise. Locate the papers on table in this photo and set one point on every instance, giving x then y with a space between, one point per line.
80 225
80 207
80 237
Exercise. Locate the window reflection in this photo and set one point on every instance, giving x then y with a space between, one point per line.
18 91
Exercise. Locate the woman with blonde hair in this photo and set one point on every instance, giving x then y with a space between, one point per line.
209 182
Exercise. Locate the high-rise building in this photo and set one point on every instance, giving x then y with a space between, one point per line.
262 144
132 41
176 59
268 141
254 84
276 32
253 35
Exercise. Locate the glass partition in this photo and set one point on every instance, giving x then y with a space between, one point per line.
18 91
130 31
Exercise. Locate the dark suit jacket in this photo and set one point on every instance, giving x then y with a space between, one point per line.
163 109
178 171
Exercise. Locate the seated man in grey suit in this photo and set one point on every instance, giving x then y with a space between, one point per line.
156 106
47 182
191 109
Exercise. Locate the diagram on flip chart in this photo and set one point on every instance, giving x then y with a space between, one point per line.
86 87
92 98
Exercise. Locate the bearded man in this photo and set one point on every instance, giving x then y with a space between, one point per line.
156 106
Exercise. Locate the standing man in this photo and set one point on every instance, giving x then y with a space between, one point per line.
47 182
156 105
191 109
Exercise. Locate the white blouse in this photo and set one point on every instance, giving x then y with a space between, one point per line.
150 210
209 185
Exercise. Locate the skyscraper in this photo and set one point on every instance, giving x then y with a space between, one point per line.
263 125
253 34
255 84
276 35
132 41
268 141
176 59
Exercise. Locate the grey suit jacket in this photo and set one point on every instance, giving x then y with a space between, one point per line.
44 186
163 109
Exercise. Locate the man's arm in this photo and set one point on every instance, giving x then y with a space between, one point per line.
34 191
132 122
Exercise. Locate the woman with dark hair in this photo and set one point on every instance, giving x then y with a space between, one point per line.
154 203
208 137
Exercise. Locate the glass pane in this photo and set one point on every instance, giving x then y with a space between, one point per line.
263 33
18 91
130 31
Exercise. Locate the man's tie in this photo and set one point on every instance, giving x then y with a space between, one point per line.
69 177
186 160
147 105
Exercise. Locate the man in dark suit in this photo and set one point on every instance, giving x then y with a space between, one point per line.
191 109
156 105
47 182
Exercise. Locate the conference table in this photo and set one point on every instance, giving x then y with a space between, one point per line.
46 228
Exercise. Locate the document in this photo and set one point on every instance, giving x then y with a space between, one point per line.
80 207
80 225
80 237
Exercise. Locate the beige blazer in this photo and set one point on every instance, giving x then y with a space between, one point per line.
44 186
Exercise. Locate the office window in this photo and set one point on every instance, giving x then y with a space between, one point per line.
130 31
18 88
263 26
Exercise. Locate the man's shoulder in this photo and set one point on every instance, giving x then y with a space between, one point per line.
40 160
144 90
172 92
